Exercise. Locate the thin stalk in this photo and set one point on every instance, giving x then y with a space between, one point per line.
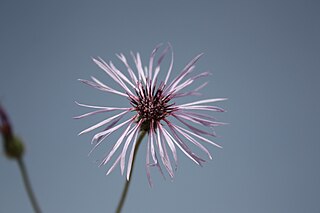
27 185
127 184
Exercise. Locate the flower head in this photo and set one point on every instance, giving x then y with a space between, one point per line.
13 146
151 110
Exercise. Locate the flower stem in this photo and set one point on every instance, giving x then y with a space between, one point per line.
127 184
27 185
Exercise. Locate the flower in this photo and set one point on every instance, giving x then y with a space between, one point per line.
13 146
152 109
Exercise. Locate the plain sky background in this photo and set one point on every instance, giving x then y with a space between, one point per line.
264 56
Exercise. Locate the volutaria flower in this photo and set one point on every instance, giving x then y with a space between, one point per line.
151 109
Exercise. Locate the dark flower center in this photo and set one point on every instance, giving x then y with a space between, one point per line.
152 105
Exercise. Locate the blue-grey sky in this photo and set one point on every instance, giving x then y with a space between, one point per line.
264 56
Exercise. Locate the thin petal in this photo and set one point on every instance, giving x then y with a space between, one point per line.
102 123
153 53
201 121
109 131
114 165
91 106
153 153
202 107
189 81
174 86
102 88
195 114
115 69
171 145
111 125
138 63
126 145
189 67
100 111
130 71
105 134
131 157
182 146
152 150
203 102
157 69
170 66
163 153
108 89
195 142
194 129
148 163
116 146
190 93
200 137
104 66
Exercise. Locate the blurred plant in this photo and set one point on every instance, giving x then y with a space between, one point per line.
14 149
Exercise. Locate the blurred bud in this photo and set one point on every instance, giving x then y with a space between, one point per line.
13 146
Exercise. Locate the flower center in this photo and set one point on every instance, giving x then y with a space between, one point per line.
151 105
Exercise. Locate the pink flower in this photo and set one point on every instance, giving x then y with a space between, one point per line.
150 111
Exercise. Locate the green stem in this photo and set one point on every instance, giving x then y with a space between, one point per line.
127 184
27 185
